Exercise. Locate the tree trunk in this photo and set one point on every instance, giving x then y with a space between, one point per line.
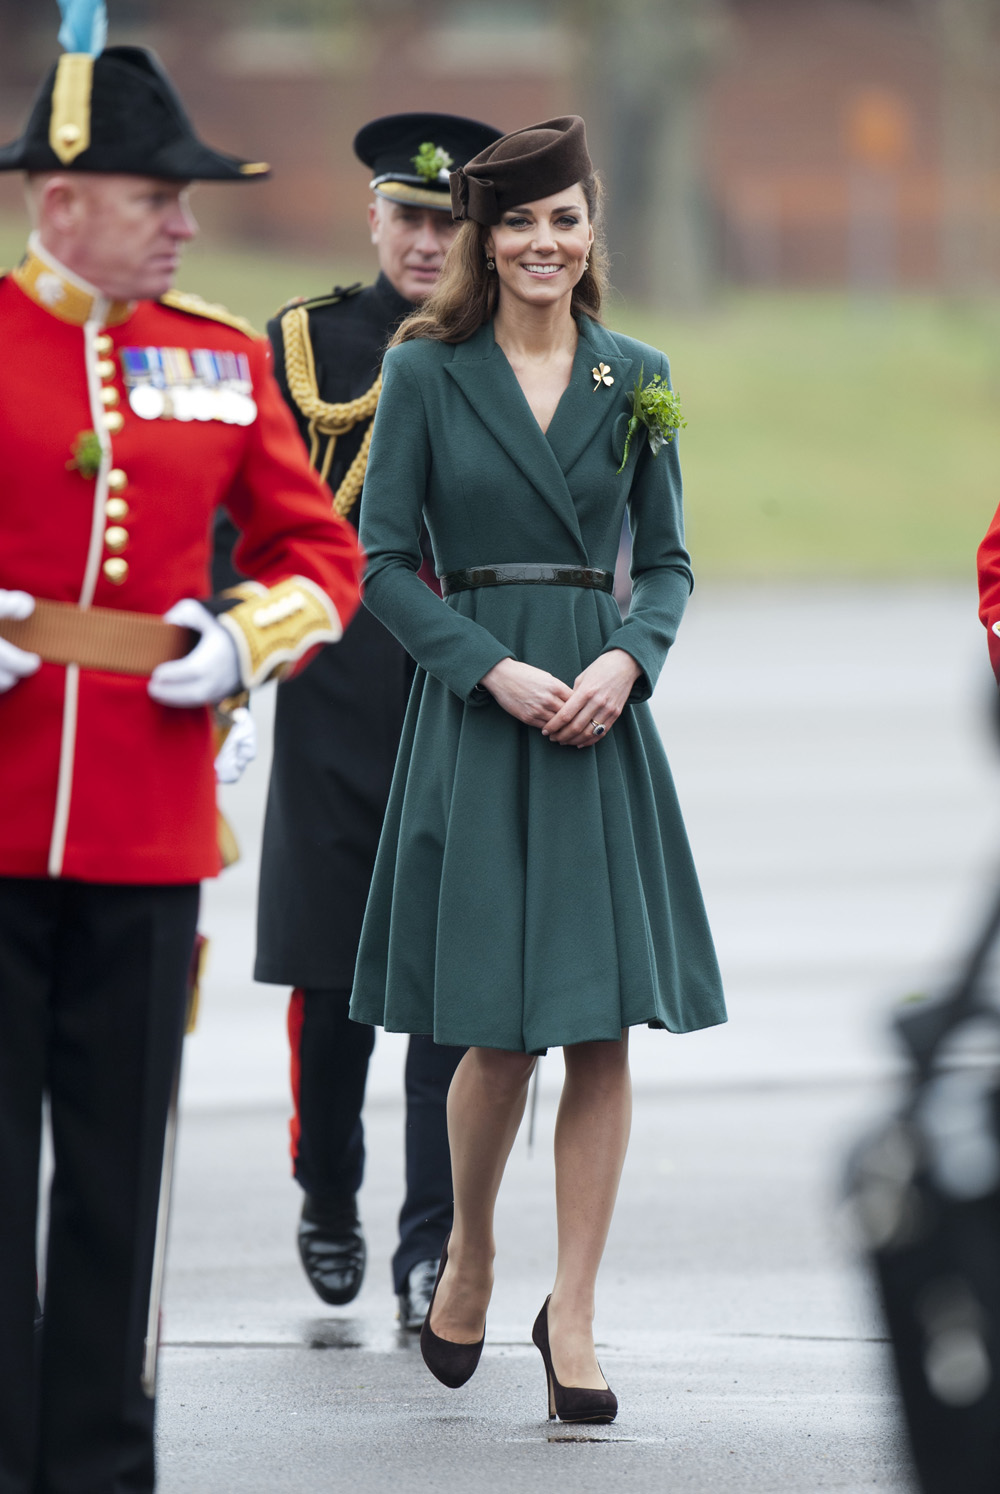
968 38
647 66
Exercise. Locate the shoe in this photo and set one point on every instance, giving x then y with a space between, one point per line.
448 1362
415 1298
333 1249
570 1402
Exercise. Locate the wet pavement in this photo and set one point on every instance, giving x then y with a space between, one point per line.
834 758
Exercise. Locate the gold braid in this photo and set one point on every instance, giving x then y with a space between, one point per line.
326 419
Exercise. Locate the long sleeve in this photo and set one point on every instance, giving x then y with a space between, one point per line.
454 649
661 568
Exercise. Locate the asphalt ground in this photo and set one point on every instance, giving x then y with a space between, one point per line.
835 759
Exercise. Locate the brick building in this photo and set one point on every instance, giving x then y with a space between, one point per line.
828 153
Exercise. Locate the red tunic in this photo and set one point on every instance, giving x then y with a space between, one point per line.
989 589
98 781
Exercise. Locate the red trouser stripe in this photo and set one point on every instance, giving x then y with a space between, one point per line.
296 1016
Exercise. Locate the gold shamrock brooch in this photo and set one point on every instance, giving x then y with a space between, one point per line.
602 375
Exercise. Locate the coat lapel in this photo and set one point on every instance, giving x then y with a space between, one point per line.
490 385
587 411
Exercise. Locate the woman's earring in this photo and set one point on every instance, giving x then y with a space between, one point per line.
490 263
586 263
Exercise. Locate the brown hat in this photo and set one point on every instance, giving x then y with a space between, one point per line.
521 167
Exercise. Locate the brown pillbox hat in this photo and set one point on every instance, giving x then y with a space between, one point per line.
521 167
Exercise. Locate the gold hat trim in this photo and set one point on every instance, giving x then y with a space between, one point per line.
69 125
254 168
411 196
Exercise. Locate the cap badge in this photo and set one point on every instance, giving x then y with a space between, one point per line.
432 163
602 375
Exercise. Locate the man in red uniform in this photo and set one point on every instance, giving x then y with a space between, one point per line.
127 415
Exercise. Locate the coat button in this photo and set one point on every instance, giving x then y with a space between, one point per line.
117 481
113 422
109 396
116 538
106 368
116 509
116 570
104 344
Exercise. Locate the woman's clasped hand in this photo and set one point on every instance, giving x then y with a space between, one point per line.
566 715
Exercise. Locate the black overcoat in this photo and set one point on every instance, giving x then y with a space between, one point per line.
337 725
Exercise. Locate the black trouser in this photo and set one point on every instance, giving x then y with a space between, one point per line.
93 982
330 1055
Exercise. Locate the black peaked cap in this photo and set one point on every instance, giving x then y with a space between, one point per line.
138 126
390 146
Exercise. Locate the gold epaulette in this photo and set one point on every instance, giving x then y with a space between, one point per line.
195 306
325 419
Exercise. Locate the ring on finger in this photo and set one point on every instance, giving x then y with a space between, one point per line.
597 729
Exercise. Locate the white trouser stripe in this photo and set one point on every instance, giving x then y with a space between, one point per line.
64 789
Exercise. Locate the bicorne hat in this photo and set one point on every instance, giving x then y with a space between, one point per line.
410 155
117 112
521 167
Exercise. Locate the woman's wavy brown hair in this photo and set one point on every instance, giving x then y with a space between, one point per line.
466 293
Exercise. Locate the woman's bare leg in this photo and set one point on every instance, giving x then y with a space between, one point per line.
592 1130
485 1106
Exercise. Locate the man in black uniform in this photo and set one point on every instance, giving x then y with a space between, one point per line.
336 736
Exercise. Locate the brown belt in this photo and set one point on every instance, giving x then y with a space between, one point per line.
103 638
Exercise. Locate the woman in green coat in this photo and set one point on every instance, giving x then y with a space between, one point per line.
534 887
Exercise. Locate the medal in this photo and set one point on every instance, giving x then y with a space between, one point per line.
143 372
189 385
182 402
148 403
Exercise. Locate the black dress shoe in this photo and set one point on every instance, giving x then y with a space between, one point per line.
415 1298
333 1249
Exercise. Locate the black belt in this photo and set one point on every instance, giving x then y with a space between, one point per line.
527 575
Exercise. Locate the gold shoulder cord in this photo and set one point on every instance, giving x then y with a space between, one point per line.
326 419
195 306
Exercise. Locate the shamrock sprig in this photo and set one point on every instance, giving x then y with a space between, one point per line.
658 408
430 161
87 454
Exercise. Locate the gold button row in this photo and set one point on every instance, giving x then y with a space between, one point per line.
116 509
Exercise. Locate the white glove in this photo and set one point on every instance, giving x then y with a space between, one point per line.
15 663
239 749
206 675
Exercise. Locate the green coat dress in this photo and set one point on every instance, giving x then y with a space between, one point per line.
526 895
